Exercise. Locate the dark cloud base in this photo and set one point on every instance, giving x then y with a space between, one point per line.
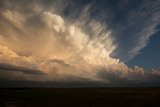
4 83
12 68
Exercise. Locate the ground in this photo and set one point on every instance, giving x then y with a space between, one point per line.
79 97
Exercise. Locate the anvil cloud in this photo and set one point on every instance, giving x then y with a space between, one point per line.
40 43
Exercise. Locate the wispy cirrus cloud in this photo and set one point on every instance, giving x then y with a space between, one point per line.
136 27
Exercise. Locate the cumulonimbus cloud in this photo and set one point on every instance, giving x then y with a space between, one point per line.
38 39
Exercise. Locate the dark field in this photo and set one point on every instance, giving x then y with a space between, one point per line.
80 97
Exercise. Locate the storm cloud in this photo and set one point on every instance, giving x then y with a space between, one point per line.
62 41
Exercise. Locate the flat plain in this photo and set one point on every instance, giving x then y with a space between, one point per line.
80 97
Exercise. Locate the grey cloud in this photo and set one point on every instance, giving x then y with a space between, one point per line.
59 61
12 68
134 77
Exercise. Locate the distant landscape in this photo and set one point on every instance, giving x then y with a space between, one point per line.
79 97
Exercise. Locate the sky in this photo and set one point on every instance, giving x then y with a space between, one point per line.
79 43
149 56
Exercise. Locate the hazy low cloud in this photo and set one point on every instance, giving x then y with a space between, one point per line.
11 68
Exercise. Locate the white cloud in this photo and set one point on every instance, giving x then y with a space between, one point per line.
63 49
